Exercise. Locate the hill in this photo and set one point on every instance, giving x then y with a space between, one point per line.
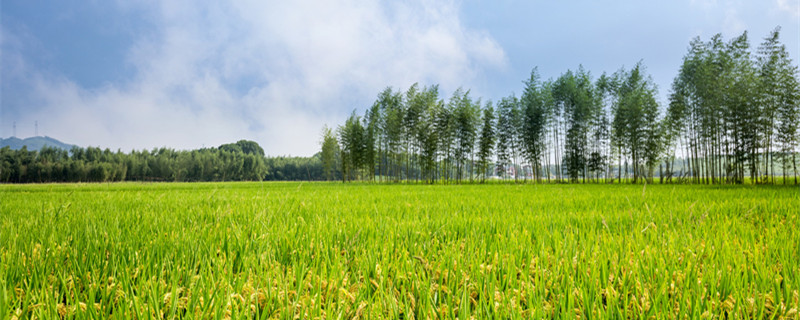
33 143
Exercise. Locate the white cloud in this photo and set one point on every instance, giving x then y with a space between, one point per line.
704 3
792 7
731 20
273 72
732 23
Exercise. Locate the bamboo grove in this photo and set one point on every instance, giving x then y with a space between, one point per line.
732 117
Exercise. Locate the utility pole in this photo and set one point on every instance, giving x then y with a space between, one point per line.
36 128
15 129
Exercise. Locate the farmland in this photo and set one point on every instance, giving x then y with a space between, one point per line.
332 250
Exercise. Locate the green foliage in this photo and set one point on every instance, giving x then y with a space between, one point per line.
733 114
466 115
729 116
781 95
487 140
352 139
509 128
295 168
636 123
536 101
330 150
243 146
573 92
427 135
241 161
326 250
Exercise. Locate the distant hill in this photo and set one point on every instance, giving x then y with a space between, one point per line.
33 143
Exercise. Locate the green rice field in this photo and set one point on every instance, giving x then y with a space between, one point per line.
366 251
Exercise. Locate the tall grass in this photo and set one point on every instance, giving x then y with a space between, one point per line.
319 250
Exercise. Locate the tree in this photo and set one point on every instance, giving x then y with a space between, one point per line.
445 130
244 146
574 93
535 110
393 114
508 130
330 148
487 140
426 134
351 140
729 115
636 126
600 156
414 107
466 116
372 125
780 95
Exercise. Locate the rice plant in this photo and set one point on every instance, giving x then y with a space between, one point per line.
365 251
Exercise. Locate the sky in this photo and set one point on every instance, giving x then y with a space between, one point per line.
186 74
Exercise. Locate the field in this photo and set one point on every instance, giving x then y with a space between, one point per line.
328 250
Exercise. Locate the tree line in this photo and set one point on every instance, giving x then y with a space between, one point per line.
240 161
732 116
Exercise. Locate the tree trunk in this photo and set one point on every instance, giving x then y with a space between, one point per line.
794 164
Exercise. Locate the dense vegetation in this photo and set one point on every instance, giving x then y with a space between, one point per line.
239 161
732 117
323 250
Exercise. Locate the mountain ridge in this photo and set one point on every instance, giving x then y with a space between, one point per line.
34 143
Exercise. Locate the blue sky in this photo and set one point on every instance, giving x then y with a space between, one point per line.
187 74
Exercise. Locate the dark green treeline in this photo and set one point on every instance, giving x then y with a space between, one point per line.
732 117
241 161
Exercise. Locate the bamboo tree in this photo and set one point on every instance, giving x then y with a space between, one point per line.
445 131
466 117
487 140
605 88
330 148
574 92
535 125
779 95
353 148
413 111
425 134
507 110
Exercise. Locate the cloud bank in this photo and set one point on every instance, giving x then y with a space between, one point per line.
274 72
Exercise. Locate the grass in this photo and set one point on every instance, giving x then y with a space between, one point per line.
327 250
